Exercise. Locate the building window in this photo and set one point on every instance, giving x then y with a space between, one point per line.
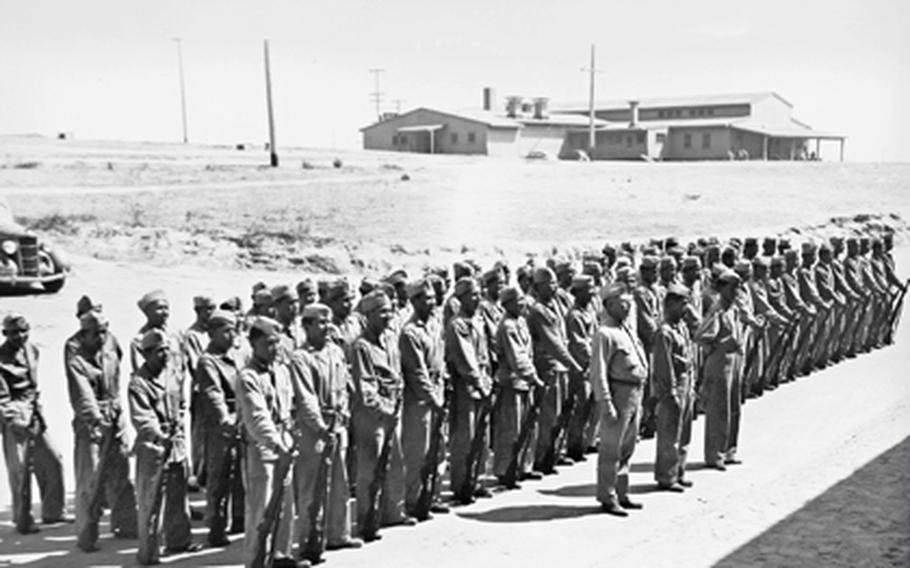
687 140
660 138
661 114
640 138
629 141
706 140
710 112
395 140
472 137
454 138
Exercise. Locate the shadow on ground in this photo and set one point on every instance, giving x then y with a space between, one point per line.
863 520
531 513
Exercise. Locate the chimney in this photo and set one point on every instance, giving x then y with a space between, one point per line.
541 112
513 106
488 96
633 114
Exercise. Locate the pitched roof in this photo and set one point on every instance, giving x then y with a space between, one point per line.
679 101
494 120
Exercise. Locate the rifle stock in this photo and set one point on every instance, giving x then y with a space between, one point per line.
268 527
36 427
315 542
370 527
473 465
158 487
429 474
556 433
524 435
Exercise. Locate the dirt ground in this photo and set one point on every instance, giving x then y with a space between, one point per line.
824 479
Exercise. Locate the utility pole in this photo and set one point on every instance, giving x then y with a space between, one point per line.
592 139
273 152
182 88
376 96
398 104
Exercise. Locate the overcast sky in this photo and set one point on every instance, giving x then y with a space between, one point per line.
108 69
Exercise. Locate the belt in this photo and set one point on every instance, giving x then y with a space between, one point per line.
625 382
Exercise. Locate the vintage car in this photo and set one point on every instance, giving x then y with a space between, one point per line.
25 262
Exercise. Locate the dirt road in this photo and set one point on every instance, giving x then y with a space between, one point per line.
797 443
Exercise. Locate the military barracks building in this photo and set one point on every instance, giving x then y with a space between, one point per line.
750 126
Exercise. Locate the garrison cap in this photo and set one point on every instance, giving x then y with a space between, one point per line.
339 289
648 262
592 268
305 288
85 304
712 249
760 261
808 248
418 287
153 339
608 249
783 243
623 261
315 310
367 285
283 292
543 275
836 241
150 299
824 247
677 291
690 263
465 285
615 290
864 241
398 277
231 304
852 241
770 241
265 325
92 320
736 242
262 298
563 267
509 294
650 251
259 286
671 242
581 282
777 261
15 322
203 302
222 318
702 242
667 262
742 268
751 241
462 268
791 254
492 275
375 300
727 276
625 273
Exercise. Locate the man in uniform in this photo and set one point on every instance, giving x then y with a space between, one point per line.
347 325
673 383
647 307
216 377
158 412
809 290
377 392
552 361
286 302
99 425
618 371
853 297
323 410
806 312
265 398
721 336
21 420
157 312
468 363
826 281
491 312
195 340
581 324
771 334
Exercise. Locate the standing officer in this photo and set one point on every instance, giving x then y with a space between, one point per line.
672 386
721 336
322 379
99 425
377 391
618 370
216 378
158 412
423 369
20 421
468 363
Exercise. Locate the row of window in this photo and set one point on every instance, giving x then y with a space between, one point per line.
705 140
691 112
402 139
618 138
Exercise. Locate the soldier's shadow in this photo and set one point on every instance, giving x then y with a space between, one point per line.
590 490
531 513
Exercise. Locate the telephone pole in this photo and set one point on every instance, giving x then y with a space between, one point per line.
182 88
398 104
376 96
273 152
592 139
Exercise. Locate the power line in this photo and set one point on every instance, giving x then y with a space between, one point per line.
397 103
377 95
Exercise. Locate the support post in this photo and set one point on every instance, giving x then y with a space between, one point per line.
764 148
273 152
182 89
842 149
592 137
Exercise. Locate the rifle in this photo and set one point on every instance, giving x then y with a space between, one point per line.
519 447
158 487
95 485
268 527
801 345
894 320
429 474
370 527
36 427
315 542
556 434
772 372
750 359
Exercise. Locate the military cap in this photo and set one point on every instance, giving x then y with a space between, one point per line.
777 260
836 240
465 285
367 285
791 254
648 262
266 325
852 241
562 267
808 248
440 271
462 268
627 246
667 262
712 249
727 276
888 239
231 304
625 273
592 268
222 318
543 275
760 261
258 286
864 241
200 302
691 263
150 299
283 292
153 339
650 251
671 242
92 320
751 241
492 275
728 250
877 243
305 288
702 242
742 267
736 242
615 290
676 251
419 287
315 310
581 282
609 249
398 277
15 322
824 247
85 304
623 261
783 243
769 241
262 298
677 291
524 271
339 289
509 294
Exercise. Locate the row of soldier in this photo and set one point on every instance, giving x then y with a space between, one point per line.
336 398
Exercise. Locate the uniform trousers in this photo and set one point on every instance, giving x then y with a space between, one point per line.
175 517
674 432
259 483
371 436
617 441
224 483
513 407
47 466
416 438
464 428
335 512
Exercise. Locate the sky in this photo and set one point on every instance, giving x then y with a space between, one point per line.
106 69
